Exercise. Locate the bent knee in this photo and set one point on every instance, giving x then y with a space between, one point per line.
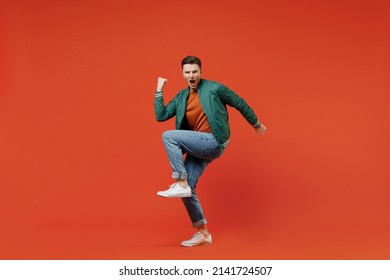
168 134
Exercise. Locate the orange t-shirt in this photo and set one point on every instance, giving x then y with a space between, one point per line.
195 115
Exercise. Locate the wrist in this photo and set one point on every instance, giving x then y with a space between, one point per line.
257 125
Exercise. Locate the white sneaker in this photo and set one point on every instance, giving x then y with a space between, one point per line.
197 239
176 190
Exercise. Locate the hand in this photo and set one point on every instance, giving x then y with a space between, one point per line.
260 129
161 83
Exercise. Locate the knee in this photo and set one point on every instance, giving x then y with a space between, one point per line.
168 135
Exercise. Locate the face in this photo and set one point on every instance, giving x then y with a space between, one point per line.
191 74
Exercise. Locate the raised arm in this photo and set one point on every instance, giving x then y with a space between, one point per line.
163 112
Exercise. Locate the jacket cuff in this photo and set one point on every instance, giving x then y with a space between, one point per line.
257 124
158 94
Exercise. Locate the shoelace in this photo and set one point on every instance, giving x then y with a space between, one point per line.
173 186
197 236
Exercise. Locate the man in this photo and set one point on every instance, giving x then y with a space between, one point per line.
202 134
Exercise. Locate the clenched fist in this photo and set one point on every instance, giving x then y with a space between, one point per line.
261 129
161 83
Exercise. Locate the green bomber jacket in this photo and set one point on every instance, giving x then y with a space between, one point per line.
214 97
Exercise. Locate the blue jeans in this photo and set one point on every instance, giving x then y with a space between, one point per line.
200 149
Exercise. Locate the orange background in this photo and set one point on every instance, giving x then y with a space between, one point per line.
81 156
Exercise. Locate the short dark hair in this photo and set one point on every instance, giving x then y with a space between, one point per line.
191 60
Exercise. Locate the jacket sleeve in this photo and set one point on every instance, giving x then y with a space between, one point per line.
230 98
161 111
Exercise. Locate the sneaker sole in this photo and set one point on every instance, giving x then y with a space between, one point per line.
206 243
174 196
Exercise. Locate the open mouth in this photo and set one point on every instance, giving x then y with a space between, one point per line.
192 82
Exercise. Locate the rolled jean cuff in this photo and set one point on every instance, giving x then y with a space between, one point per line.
199 223
177 175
